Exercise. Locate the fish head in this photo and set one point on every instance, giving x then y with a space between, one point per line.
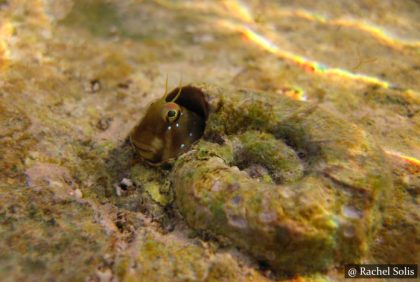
171 125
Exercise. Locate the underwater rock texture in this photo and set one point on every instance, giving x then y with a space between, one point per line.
174 258
44 236
76 76
323 215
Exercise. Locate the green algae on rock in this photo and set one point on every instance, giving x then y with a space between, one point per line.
45 236
324 210
176 260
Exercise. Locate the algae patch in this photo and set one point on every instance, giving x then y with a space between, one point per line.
151 181
28 217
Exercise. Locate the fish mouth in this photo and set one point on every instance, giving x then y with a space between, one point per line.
142 147
145 151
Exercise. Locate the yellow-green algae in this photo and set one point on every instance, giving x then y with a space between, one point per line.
154 183
325 214
261 148
155 258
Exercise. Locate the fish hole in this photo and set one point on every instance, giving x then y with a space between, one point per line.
192 98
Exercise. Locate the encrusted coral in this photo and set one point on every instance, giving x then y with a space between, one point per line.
329 177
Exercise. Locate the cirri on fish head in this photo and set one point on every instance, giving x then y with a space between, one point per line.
171 125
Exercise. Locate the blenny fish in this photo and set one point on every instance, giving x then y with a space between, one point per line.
171 125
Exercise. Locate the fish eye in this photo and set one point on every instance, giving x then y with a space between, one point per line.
172 115
171 112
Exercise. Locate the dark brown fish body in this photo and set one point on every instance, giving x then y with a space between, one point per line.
171 125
